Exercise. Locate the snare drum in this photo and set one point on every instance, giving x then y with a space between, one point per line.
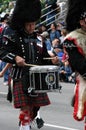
44 78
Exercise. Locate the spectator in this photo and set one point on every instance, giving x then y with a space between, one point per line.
54 33
4 19
57 48
41 28
65 72
4 23
63 35
51 11
59 27
47 40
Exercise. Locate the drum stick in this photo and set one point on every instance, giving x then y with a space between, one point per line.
30 65
48 58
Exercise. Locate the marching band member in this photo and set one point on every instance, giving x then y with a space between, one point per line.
22 46
75 45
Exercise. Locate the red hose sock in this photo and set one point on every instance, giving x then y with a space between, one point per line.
76 104
24 117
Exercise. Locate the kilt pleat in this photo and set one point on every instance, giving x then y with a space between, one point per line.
21 99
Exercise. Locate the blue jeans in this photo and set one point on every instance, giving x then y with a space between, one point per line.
6 74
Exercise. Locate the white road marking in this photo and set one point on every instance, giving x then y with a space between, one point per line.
4 93
61 127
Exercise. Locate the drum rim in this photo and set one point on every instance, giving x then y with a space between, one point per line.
44 68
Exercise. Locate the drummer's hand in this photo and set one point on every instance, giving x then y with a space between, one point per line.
55 60
20 61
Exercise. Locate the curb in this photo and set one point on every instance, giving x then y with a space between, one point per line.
3 94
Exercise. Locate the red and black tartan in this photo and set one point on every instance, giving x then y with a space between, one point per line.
21 99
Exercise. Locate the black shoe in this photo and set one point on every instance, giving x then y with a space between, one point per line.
40 122
19 123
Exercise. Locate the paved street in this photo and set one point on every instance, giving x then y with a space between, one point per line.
57 116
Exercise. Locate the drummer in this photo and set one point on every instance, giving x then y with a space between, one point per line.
21 46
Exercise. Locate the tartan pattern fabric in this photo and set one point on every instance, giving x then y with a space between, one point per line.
21 99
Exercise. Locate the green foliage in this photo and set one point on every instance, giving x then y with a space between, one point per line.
4 5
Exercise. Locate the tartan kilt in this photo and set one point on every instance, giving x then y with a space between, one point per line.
21 99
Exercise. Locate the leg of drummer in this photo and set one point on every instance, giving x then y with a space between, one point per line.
36 117
39 120
25 119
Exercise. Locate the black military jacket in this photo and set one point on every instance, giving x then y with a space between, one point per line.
19 43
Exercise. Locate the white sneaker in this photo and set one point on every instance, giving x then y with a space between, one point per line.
26 127
5 83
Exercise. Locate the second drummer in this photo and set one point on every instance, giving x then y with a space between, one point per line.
22 45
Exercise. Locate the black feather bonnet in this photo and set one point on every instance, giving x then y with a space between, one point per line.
76 11
25 11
